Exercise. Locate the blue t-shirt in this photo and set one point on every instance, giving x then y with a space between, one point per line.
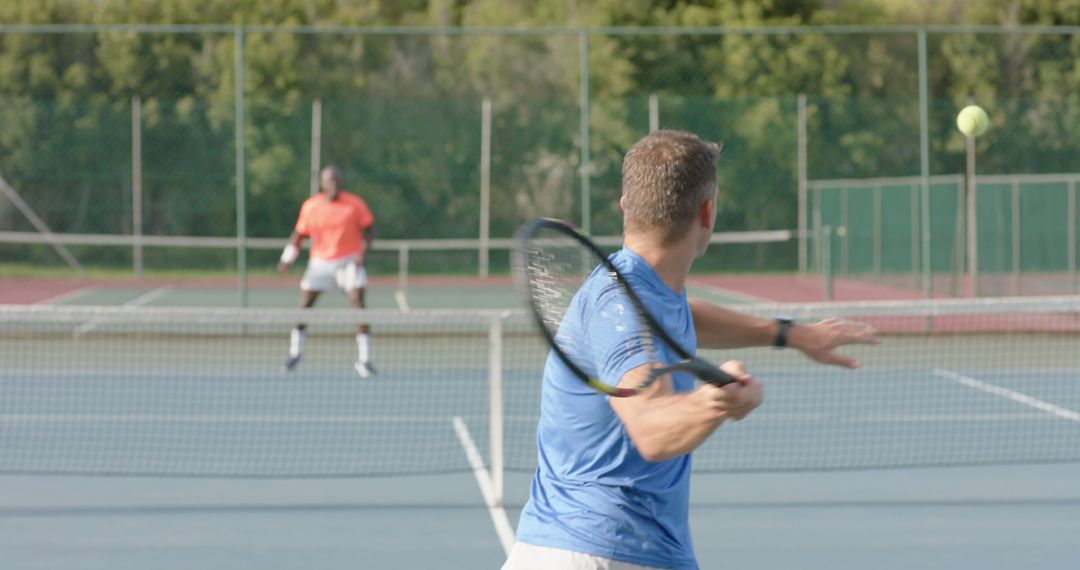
593 492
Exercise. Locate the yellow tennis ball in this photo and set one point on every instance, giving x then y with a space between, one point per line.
972 121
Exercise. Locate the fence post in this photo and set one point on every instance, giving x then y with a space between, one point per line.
586 193
878 230
826 242
1070 235
924 168
845 206
136 186
1016 237
241 193
914 194
401 295
960 267
654 113
817 229
316 145
802 167
485 185
972 219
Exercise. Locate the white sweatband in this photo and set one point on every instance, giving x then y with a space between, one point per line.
290 254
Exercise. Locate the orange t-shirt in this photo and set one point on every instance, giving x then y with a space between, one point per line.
334 227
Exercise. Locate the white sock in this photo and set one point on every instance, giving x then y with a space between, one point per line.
296 342
363 345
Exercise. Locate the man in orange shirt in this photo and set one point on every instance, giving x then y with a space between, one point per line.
341 228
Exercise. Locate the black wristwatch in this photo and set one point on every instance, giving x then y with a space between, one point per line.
784 325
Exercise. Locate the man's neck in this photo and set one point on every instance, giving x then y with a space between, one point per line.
672 263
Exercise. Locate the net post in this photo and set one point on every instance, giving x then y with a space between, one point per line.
136 187
485 186
826 261
495 402
802 167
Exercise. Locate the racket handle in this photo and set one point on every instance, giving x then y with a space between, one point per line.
701 368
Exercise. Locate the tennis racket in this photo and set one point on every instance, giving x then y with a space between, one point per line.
551 261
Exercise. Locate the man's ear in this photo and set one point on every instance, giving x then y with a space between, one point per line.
622 203
707 213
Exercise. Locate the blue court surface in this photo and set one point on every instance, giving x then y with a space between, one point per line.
198 414
985 517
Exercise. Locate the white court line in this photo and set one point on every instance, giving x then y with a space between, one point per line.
1010 394
487 488
149 296
207 419
728 293
136 302
70 295
402 302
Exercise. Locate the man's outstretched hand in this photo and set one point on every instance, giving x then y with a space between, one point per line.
819 340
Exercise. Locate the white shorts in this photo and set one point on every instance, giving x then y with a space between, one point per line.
531 557
322 274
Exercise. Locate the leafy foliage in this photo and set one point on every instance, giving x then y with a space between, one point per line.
401 111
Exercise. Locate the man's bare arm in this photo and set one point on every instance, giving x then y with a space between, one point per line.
369 238
665 424
719 327
292 250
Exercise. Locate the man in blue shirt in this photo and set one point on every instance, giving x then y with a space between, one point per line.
612 487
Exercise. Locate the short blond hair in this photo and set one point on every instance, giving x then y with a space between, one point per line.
666 176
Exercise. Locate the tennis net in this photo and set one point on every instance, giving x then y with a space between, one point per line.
199 392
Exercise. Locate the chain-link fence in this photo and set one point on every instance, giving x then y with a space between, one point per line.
132 133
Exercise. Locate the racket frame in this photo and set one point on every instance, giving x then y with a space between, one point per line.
698 367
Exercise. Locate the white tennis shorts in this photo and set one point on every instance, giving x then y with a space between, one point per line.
323 274
531 557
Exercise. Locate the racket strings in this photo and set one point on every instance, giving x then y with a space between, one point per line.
548 296
556 267
617 333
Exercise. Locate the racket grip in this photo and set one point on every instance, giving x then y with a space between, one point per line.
719 378
703 369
